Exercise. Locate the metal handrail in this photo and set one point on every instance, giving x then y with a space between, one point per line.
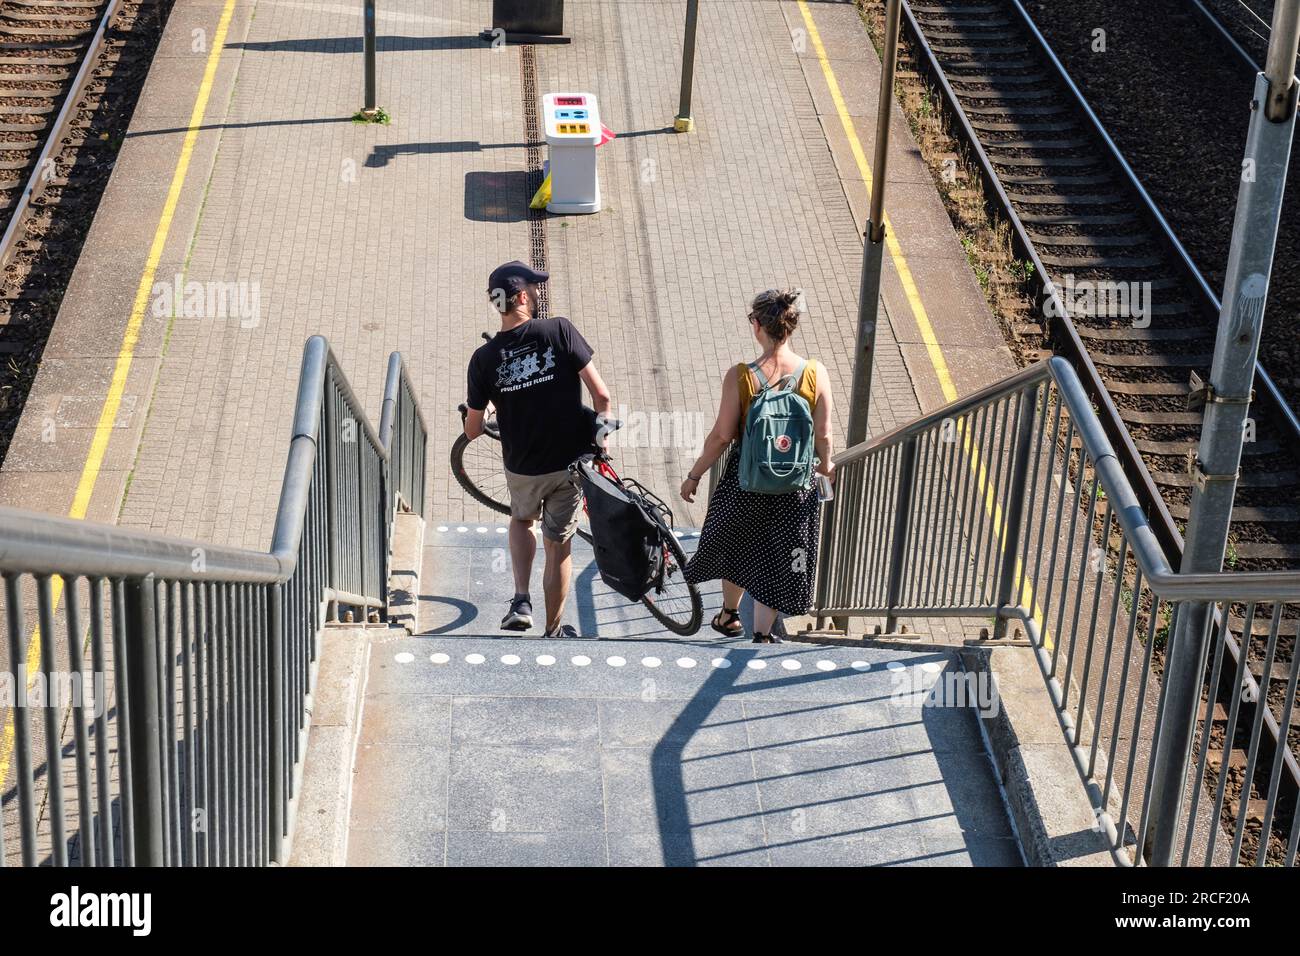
1283 585
1011 504
212 648
33 543
401 413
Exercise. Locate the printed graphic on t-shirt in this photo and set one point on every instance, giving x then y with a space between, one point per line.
523 367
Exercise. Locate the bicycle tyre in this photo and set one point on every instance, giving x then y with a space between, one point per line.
678 620
458 468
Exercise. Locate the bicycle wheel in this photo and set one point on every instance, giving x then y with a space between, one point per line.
677 605
477 467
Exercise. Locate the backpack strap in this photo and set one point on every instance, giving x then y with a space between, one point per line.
794 378
791 380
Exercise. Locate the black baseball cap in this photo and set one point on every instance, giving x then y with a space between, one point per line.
513 277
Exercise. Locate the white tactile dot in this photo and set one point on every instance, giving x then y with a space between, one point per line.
895 666
501 530
546 660
405 657
791 665
581 660
650 662
481 530
474 658
825 665
442 527
930 667
720 663
439 658
687 662
510 660
756 664
860 666
616 661
462 529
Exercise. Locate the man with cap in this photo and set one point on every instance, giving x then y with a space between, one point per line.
533 371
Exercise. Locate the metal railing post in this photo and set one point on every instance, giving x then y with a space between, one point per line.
363 524
275 719
330 438
1015 509
146 748
902 522
821 575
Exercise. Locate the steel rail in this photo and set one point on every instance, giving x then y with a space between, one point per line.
1262 377
1210 298
38 179
1225 35
1054 308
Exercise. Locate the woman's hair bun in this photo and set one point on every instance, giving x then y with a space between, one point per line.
777 311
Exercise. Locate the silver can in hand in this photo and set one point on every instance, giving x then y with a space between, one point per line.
825 491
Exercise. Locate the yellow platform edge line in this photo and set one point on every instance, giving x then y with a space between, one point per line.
937 360
126 354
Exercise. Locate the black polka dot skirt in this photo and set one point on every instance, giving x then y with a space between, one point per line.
767 544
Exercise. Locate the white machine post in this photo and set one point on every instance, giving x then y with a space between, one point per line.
573 131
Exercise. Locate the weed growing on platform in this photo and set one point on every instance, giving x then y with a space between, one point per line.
379 116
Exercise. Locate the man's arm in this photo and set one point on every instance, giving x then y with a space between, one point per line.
477 403
473 423
600 398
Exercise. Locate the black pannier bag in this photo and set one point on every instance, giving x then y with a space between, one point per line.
624 533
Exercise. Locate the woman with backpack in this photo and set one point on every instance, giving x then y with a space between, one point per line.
760 533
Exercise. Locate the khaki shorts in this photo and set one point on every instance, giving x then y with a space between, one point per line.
552 497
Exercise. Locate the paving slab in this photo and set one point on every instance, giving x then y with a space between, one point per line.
379 237
627 747
656 752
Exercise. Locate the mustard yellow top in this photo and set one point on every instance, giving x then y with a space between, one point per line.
748 382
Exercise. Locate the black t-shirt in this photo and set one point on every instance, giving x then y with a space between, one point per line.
530 374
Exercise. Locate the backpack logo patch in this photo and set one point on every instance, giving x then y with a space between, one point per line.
783 443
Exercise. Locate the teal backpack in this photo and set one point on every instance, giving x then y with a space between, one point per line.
776 451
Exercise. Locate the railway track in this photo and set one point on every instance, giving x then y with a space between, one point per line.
1095 240
70 71
1242 25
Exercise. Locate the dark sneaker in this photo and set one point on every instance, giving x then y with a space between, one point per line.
563 632
520 615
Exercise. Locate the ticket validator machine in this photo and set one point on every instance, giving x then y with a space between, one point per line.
573 131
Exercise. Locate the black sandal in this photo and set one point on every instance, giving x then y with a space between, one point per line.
766 638
727 622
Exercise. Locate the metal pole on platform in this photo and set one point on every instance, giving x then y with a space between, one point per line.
368 47
873 250
1226 399
683 122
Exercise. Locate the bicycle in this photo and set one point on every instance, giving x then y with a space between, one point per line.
674 602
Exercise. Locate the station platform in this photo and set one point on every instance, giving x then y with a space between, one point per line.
163 402
633 748
247 212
